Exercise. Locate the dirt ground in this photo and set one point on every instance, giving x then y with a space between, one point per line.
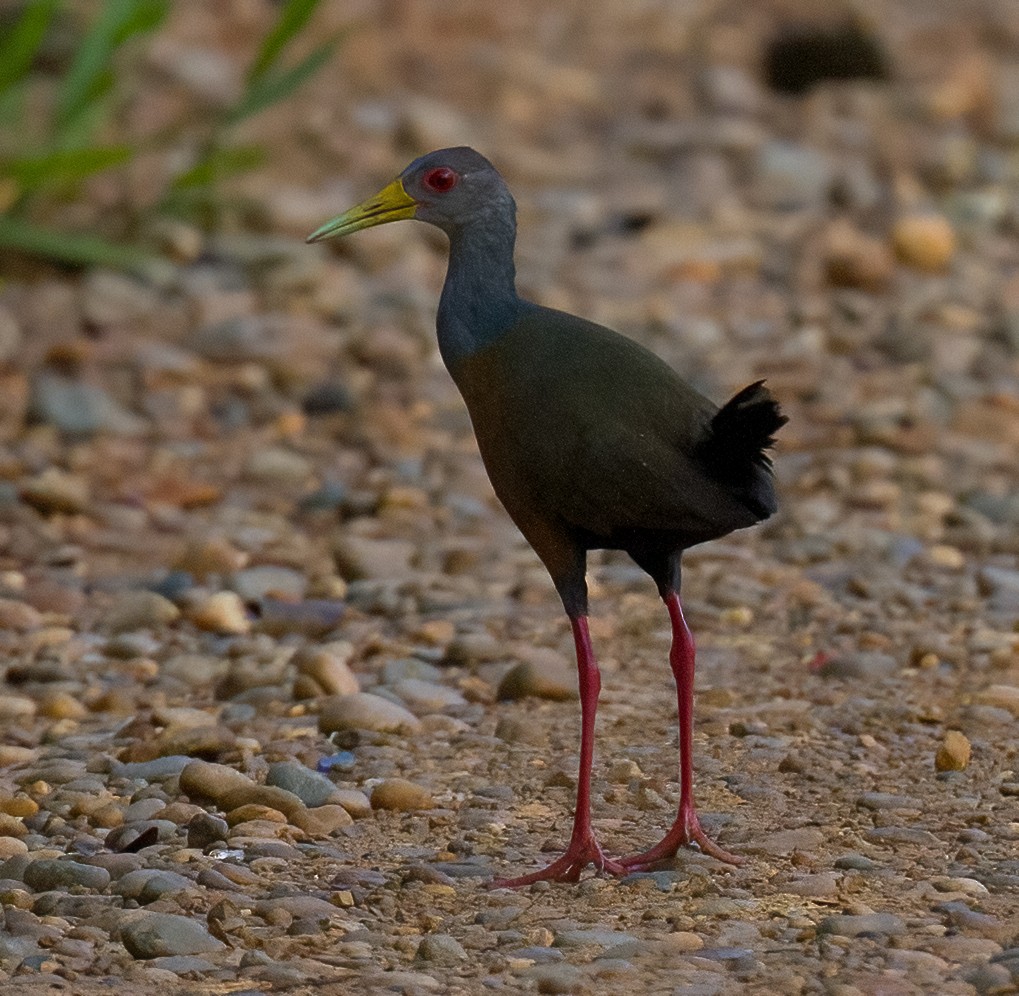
240 492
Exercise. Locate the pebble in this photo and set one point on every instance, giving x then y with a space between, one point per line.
256 583
79 408
442 949
360 558
140 610
924 240
158 935
278 465
44 874
859 666
553 680
400 795
847 925
322 821
329 667
222 613
423 697
207 780
311 787
55 491
954 752
364 711
205 829
1000 697
146 885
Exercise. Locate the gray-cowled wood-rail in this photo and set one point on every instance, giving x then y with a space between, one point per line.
591 442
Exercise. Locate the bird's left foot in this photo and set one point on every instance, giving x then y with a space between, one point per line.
567 868
686 830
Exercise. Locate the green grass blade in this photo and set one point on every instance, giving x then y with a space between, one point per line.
219 164
63 166
118 20
18 49
68 247
269 90
293 17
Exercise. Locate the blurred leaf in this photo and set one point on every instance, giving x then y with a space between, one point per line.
269 90
89 73
219 164
64 166
18 49
292 18
68 247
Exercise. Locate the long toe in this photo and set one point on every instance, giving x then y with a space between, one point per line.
684 831
567 868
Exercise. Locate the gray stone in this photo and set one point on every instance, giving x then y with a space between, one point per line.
79 408
44 874
146 885
152 771
442 949
311 787
846 925
158 935
255 583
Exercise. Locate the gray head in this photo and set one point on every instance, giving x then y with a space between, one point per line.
451 189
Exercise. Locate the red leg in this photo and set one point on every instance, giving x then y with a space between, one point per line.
687 828
583 848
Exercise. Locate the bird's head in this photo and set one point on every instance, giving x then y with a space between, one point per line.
449 188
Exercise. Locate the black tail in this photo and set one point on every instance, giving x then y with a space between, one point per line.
733 447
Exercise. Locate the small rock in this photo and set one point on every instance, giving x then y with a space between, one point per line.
278 465
853 259
79 408
364 711
311 787
19 617
426 696
157 935
205 829
267 796
255 583
329 667
954 752
792 176
222 613
140 610
442 949
322 821
211 556
146 885
400 795
862 665
44 874
206 780
359 558
548 678
846 925
1000 697
924 240
54 491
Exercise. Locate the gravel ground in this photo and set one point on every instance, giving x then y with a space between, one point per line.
283 687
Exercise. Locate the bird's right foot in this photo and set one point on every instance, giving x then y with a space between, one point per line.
578 856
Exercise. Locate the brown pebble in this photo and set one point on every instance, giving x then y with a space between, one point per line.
222 612
924 240
954 752
321 821
400 795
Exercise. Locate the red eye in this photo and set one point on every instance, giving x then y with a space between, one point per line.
440 179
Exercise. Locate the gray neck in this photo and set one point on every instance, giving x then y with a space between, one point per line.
479 298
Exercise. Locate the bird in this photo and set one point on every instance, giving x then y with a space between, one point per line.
591 442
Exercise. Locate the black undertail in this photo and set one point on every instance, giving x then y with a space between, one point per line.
734 448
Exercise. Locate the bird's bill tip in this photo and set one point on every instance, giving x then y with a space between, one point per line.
392 203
